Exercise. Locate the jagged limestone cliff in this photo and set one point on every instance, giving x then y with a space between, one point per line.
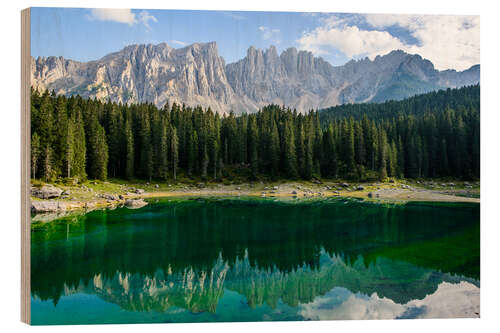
197 75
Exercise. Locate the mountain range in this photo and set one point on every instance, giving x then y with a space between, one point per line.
198 75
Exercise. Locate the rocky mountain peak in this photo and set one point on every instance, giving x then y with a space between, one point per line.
197 75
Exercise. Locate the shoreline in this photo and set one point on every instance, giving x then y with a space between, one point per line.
100 195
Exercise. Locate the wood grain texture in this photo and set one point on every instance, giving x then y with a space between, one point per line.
25 165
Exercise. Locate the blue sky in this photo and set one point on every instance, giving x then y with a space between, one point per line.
88 34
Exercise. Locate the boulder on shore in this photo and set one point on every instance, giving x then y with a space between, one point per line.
46 192
135 203
139 191
44 206
109 197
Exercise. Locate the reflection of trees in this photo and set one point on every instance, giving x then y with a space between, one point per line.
200 291
271 251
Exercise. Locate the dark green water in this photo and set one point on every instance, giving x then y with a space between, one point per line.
243 259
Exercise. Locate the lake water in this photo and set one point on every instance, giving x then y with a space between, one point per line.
249 259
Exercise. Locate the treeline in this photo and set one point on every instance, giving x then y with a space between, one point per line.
75 137
466 98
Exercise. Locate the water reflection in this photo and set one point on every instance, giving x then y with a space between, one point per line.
328 260
200 291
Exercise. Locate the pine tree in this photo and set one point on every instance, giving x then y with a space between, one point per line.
45 132
347 147
174 148
47 164
99 153
382 173
213 147
69 148
252 146
359 144
146 149
300 150
129 150
274 149
35 153
309 153
79 146
114 138
163 153
290 160
444 170
330 153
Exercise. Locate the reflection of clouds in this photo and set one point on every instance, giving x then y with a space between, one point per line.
341 304
451 300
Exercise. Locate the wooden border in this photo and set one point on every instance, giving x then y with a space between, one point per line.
25 164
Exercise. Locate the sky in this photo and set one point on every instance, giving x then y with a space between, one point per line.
450 42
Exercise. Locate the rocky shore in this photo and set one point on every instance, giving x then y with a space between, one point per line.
58 199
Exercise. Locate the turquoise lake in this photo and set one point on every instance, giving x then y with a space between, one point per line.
257 259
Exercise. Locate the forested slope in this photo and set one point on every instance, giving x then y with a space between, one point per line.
432 135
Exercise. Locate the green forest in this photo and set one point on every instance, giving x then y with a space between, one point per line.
426 136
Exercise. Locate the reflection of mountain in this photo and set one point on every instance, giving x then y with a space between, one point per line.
187 253
201 291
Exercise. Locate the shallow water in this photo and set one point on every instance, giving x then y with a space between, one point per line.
254 259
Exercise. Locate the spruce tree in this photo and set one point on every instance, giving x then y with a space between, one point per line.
252 146
174 148
79 146
35 153
129 150
290 159
309 153
274 149
382 172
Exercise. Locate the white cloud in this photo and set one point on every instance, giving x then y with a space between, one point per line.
125 16
349 40
270 34
448 41
178 42
113 14
145 18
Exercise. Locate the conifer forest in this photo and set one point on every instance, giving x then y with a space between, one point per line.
427 136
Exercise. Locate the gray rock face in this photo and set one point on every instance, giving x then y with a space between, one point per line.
197 75
194 75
